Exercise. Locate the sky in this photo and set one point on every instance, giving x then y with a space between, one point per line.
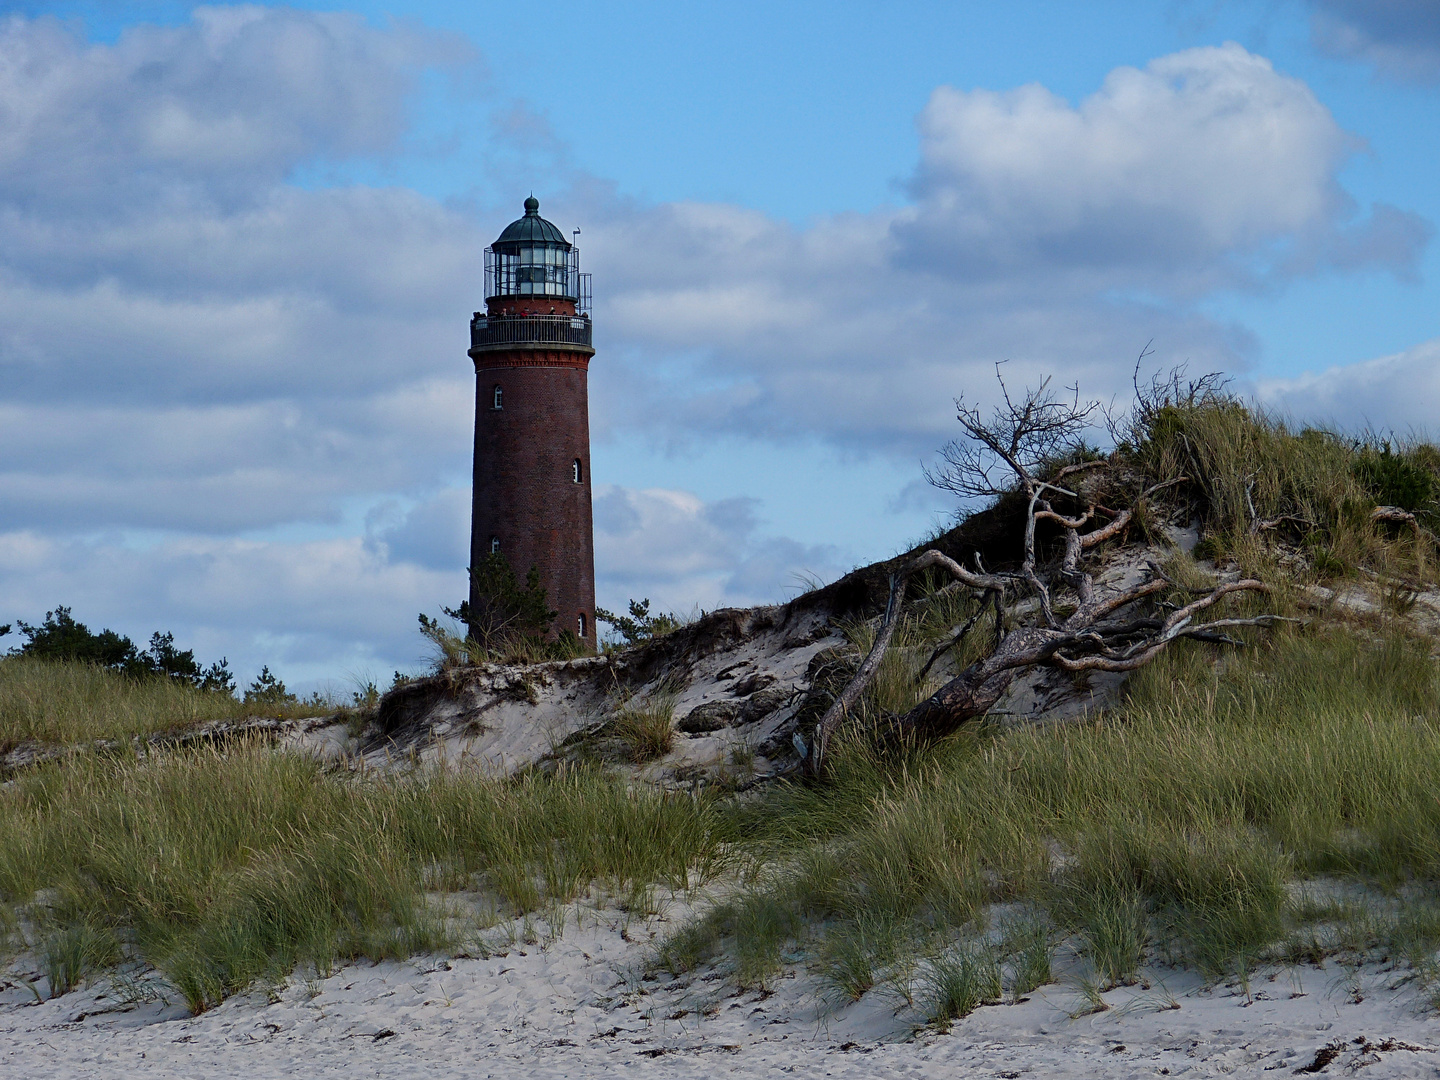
239 248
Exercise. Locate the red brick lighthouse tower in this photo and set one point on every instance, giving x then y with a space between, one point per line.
531 347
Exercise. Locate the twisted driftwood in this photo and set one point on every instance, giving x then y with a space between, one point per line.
1100 635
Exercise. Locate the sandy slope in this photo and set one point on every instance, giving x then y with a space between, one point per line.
579 1006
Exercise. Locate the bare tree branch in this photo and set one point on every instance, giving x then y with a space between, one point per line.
1019 450
1397 516
955 639
1020 439
871 664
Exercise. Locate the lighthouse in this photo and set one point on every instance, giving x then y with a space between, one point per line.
532 348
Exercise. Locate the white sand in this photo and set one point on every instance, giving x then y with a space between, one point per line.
579 1007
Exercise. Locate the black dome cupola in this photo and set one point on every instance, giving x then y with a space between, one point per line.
530 229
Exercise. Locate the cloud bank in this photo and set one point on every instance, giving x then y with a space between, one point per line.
203 358
1057 237
1389 394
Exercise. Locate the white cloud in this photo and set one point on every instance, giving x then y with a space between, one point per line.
327 607
1059 238
224 468
680 552
186 342
220 107
1205 168
1396 393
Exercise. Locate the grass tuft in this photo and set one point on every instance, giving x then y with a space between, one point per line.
852 953
72 954
761 928
646 731
1112 922
959 982
1031 949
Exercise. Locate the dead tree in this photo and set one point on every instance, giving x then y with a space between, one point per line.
1018 449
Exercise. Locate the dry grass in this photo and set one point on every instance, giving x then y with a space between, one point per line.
1310 487
58 702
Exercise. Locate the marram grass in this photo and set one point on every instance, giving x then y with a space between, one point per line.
1174 825
63 702
224 869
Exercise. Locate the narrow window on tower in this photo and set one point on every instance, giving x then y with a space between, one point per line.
582 624
576 471
499 400
494 545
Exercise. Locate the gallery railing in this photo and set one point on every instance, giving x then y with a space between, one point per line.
499 331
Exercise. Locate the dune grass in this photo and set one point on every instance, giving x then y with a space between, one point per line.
646 730
1173 826
227 869
1176 825
64 702
1173 829
958 982
1316 488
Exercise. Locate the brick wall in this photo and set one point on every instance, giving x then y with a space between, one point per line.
530 305
525 494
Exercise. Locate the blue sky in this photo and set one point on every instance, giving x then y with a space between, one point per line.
242 244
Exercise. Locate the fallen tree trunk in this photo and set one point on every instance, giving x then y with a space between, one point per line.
1086 641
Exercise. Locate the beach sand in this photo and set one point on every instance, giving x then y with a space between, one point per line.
581 1005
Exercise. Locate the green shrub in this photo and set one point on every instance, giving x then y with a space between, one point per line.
640 626
61 638
1395 479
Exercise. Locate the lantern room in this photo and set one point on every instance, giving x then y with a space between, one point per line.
532 259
